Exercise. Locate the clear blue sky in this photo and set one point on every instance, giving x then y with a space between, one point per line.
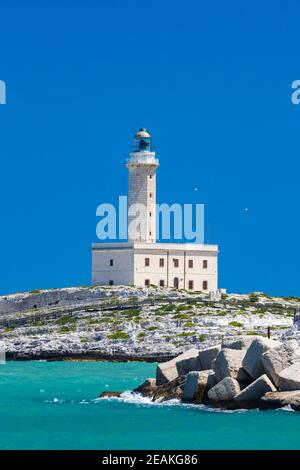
210 79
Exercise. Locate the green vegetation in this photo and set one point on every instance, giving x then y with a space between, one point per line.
9 329
66 329
189 324
182 308
35 291
133 312
253 297
65 320
118 335
235 324
202 338
222 313
140 335
181 316
187 333
152 328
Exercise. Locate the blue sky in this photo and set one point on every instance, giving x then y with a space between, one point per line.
210 79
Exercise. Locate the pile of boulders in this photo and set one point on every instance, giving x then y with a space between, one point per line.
242 372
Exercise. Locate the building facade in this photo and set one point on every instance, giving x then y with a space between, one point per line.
141 261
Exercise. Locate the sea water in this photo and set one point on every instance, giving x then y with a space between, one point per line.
55 405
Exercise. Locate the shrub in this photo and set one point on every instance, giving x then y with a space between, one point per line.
152 328
133 312
236 324
253 297
65 329
188 333
190 324
181 316
140 335
118 335
202 338
64 320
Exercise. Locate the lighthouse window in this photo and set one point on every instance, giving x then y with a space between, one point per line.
205 263
204 285
150 214
111 262
150 195
150 176
147 261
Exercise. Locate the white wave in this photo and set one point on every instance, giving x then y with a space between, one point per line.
140 400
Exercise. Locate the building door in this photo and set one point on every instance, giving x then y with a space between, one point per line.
176 282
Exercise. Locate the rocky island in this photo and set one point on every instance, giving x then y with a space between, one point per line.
130 323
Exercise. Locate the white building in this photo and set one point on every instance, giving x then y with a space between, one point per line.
141 261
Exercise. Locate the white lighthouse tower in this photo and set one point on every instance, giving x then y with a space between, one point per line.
141 261
142 166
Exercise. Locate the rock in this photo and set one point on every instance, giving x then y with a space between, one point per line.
206 356
228 363
250 395
252 361
274 400
110 394
147 388
289 378
279 358
238 342
180 365
170 390
197 385
224 392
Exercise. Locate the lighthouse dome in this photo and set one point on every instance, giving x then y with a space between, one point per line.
142 133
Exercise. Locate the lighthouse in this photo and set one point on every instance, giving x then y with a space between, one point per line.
141 261
142 166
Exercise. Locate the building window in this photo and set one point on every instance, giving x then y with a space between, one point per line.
111 262
176 282
191 263
147 261
161 262
111 283
150 176
147 282
191 285
150 233
150 214
205 263
176 262
204 285
150 195
162 283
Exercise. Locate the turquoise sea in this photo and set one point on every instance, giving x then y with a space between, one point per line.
54 405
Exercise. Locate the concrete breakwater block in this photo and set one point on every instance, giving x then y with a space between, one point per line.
197 385
224 391
279 358
180 365
252 361
255 390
